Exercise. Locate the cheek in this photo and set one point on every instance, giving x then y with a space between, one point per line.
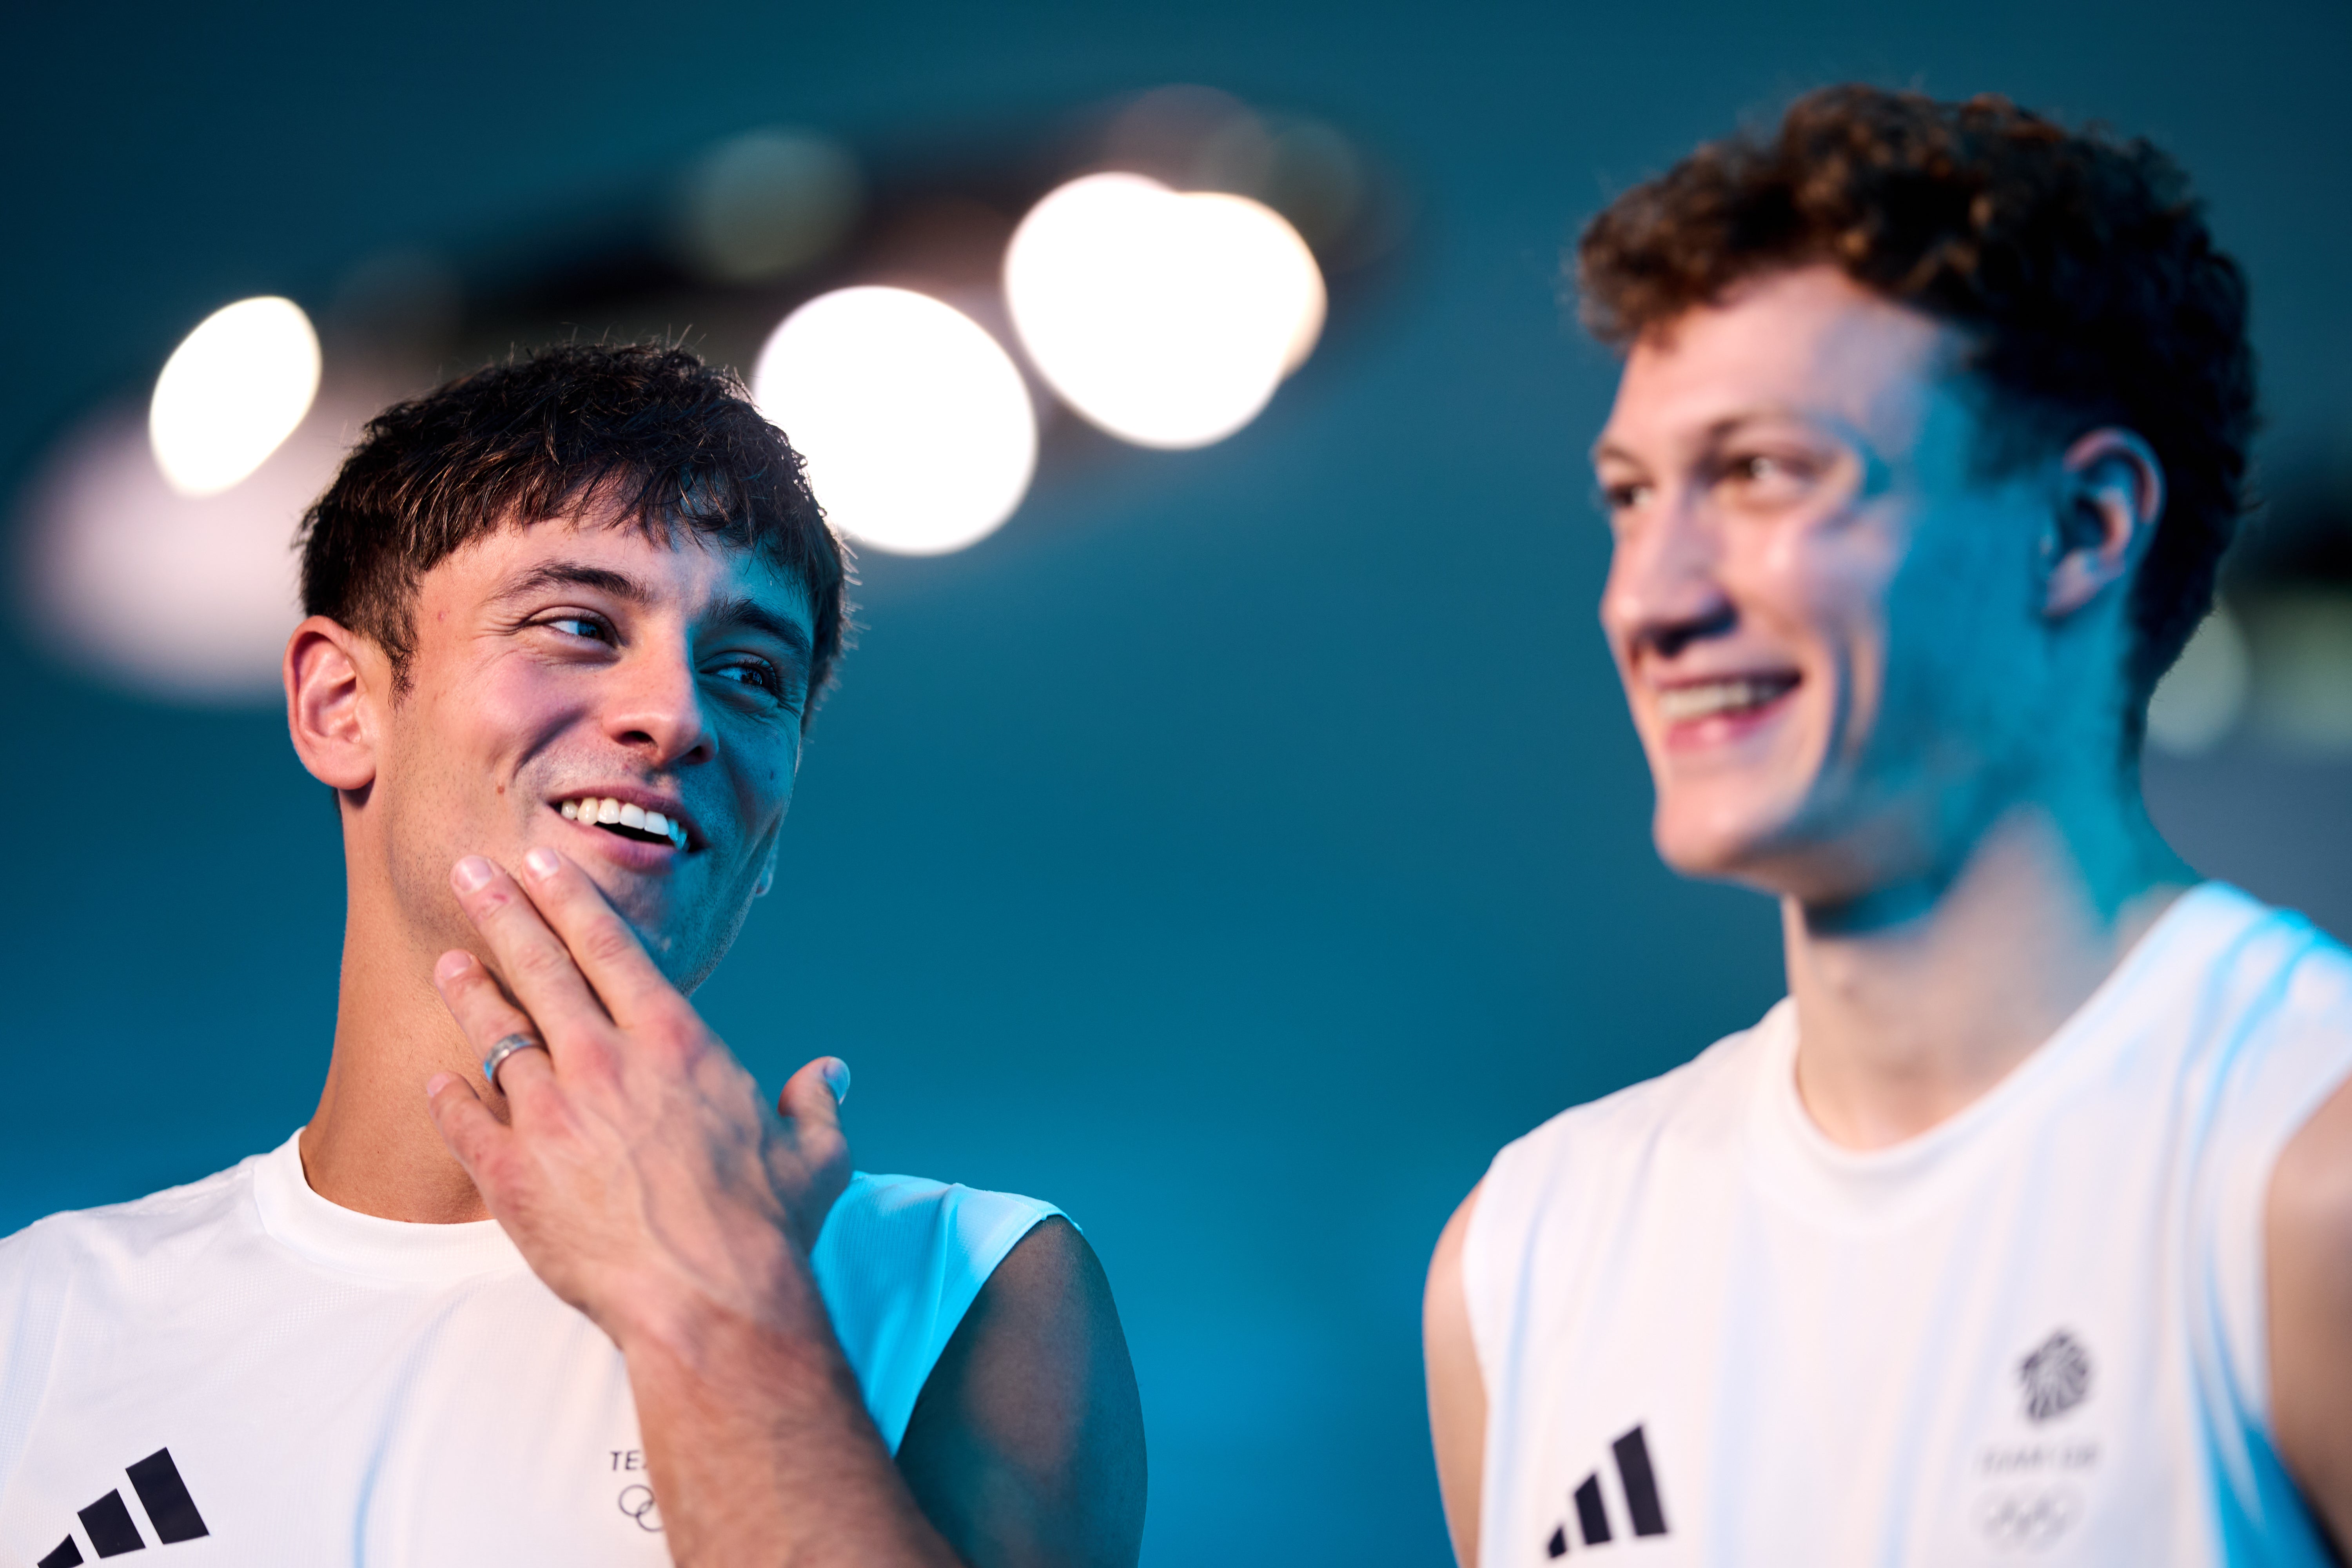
469 744
1821 590
1946 608
514 710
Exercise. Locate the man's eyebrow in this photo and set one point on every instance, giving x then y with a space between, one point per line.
575 574
738 611
1716 432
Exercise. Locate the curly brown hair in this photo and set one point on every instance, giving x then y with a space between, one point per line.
2079 265
670 442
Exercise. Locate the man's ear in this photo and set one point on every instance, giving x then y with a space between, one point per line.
335 678
767 881
2109 494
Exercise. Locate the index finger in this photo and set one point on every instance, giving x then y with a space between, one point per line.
531 958
603 945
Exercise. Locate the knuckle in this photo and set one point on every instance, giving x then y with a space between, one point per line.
540 959
608 943
479 998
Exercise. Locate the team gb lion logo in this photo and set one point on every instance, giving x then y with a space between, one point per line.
2057 1376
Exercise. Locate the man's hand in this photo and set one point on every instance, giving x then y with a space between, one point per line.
639 1170
646 1181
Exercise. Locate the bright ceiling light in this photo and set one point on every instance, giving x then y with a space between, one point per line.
1166 319
231 392
917 428
188 598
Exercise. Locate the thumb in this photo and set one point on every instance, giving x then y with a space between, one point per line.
813 1095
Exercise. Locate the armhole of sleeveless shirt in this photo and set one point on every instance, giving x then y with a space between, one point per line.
2259 1120
991 1248
978 1231
1479 1259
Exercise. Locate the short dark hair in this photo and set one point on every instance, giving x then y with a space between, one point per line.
646 428
2079 264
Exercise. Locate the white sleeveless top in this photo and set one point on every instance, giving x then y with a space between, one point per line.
2036 1332
240 1371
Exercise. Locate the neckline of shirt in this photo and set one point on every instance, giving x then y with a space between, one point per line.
1804 1166
399 1251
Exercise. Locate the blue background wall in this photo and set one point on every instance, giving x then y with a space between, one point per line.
1238 848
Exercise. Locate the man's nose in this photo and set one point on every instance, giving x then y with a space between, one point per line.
1664 591
655 707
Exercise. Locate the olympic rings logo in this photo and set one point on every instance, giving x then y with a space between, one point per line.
2027 1522
638 1503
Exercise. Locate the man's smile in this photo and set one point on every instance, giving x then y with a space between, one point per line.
1686 701
635 816
1705 710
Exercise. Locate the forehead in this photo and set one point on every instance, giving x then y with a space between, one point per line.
683 572
1810 344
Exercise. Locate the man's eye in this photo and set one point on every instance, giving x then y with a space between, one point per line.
579 626
1624 496
758 673
1766 473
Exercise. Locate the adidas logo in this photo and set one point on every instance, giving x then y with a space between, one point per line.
1637 1485
170 1511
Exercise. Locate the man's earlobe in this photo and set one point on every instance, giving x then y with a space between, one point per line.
2110 493
329 711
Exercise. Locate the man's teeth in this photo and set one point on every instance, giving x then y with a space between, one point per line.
606 812
1681 704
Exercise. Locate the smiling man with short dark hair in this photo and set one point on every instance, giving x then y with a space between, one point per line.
2024 1224
546 1278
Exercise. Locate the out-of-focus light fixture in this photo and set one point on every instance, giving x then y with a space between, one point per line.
918 430
767 202
1167 319
188 598
2302 636
231 394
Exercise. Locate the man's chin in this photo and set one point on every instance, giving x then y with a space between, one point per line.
1749 846
684 925
652 912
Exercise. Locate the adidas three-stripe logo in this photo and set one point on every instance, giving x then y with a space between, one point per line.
1637 1484
111 1530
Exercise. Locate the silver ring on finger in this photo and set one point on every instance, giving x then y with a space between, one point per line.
503 1050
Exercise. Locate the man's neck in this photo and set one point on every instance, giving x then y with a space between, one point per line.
1913 1002
371 1146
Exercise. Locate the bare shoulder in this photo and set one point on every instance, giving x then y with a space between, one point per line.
1026 1446
1457 1389
2311 1184
2308 1244
1443 1295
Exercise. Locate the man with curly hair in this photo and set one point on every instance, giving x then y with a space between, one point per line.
2024 1223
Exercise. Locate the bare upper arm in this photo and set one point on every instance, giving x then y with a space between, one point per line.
1457 1391
1026 1446
2307 1239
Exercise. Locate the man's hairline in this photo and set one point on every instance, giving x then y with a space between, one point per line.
2011 431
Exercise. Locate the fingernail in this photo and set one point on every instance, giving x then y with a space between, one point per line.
541 863
836 1073
471 874
451 965
437 1082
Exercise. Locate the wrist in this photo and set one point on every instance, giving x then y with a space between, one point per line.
716 1362
729 1328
